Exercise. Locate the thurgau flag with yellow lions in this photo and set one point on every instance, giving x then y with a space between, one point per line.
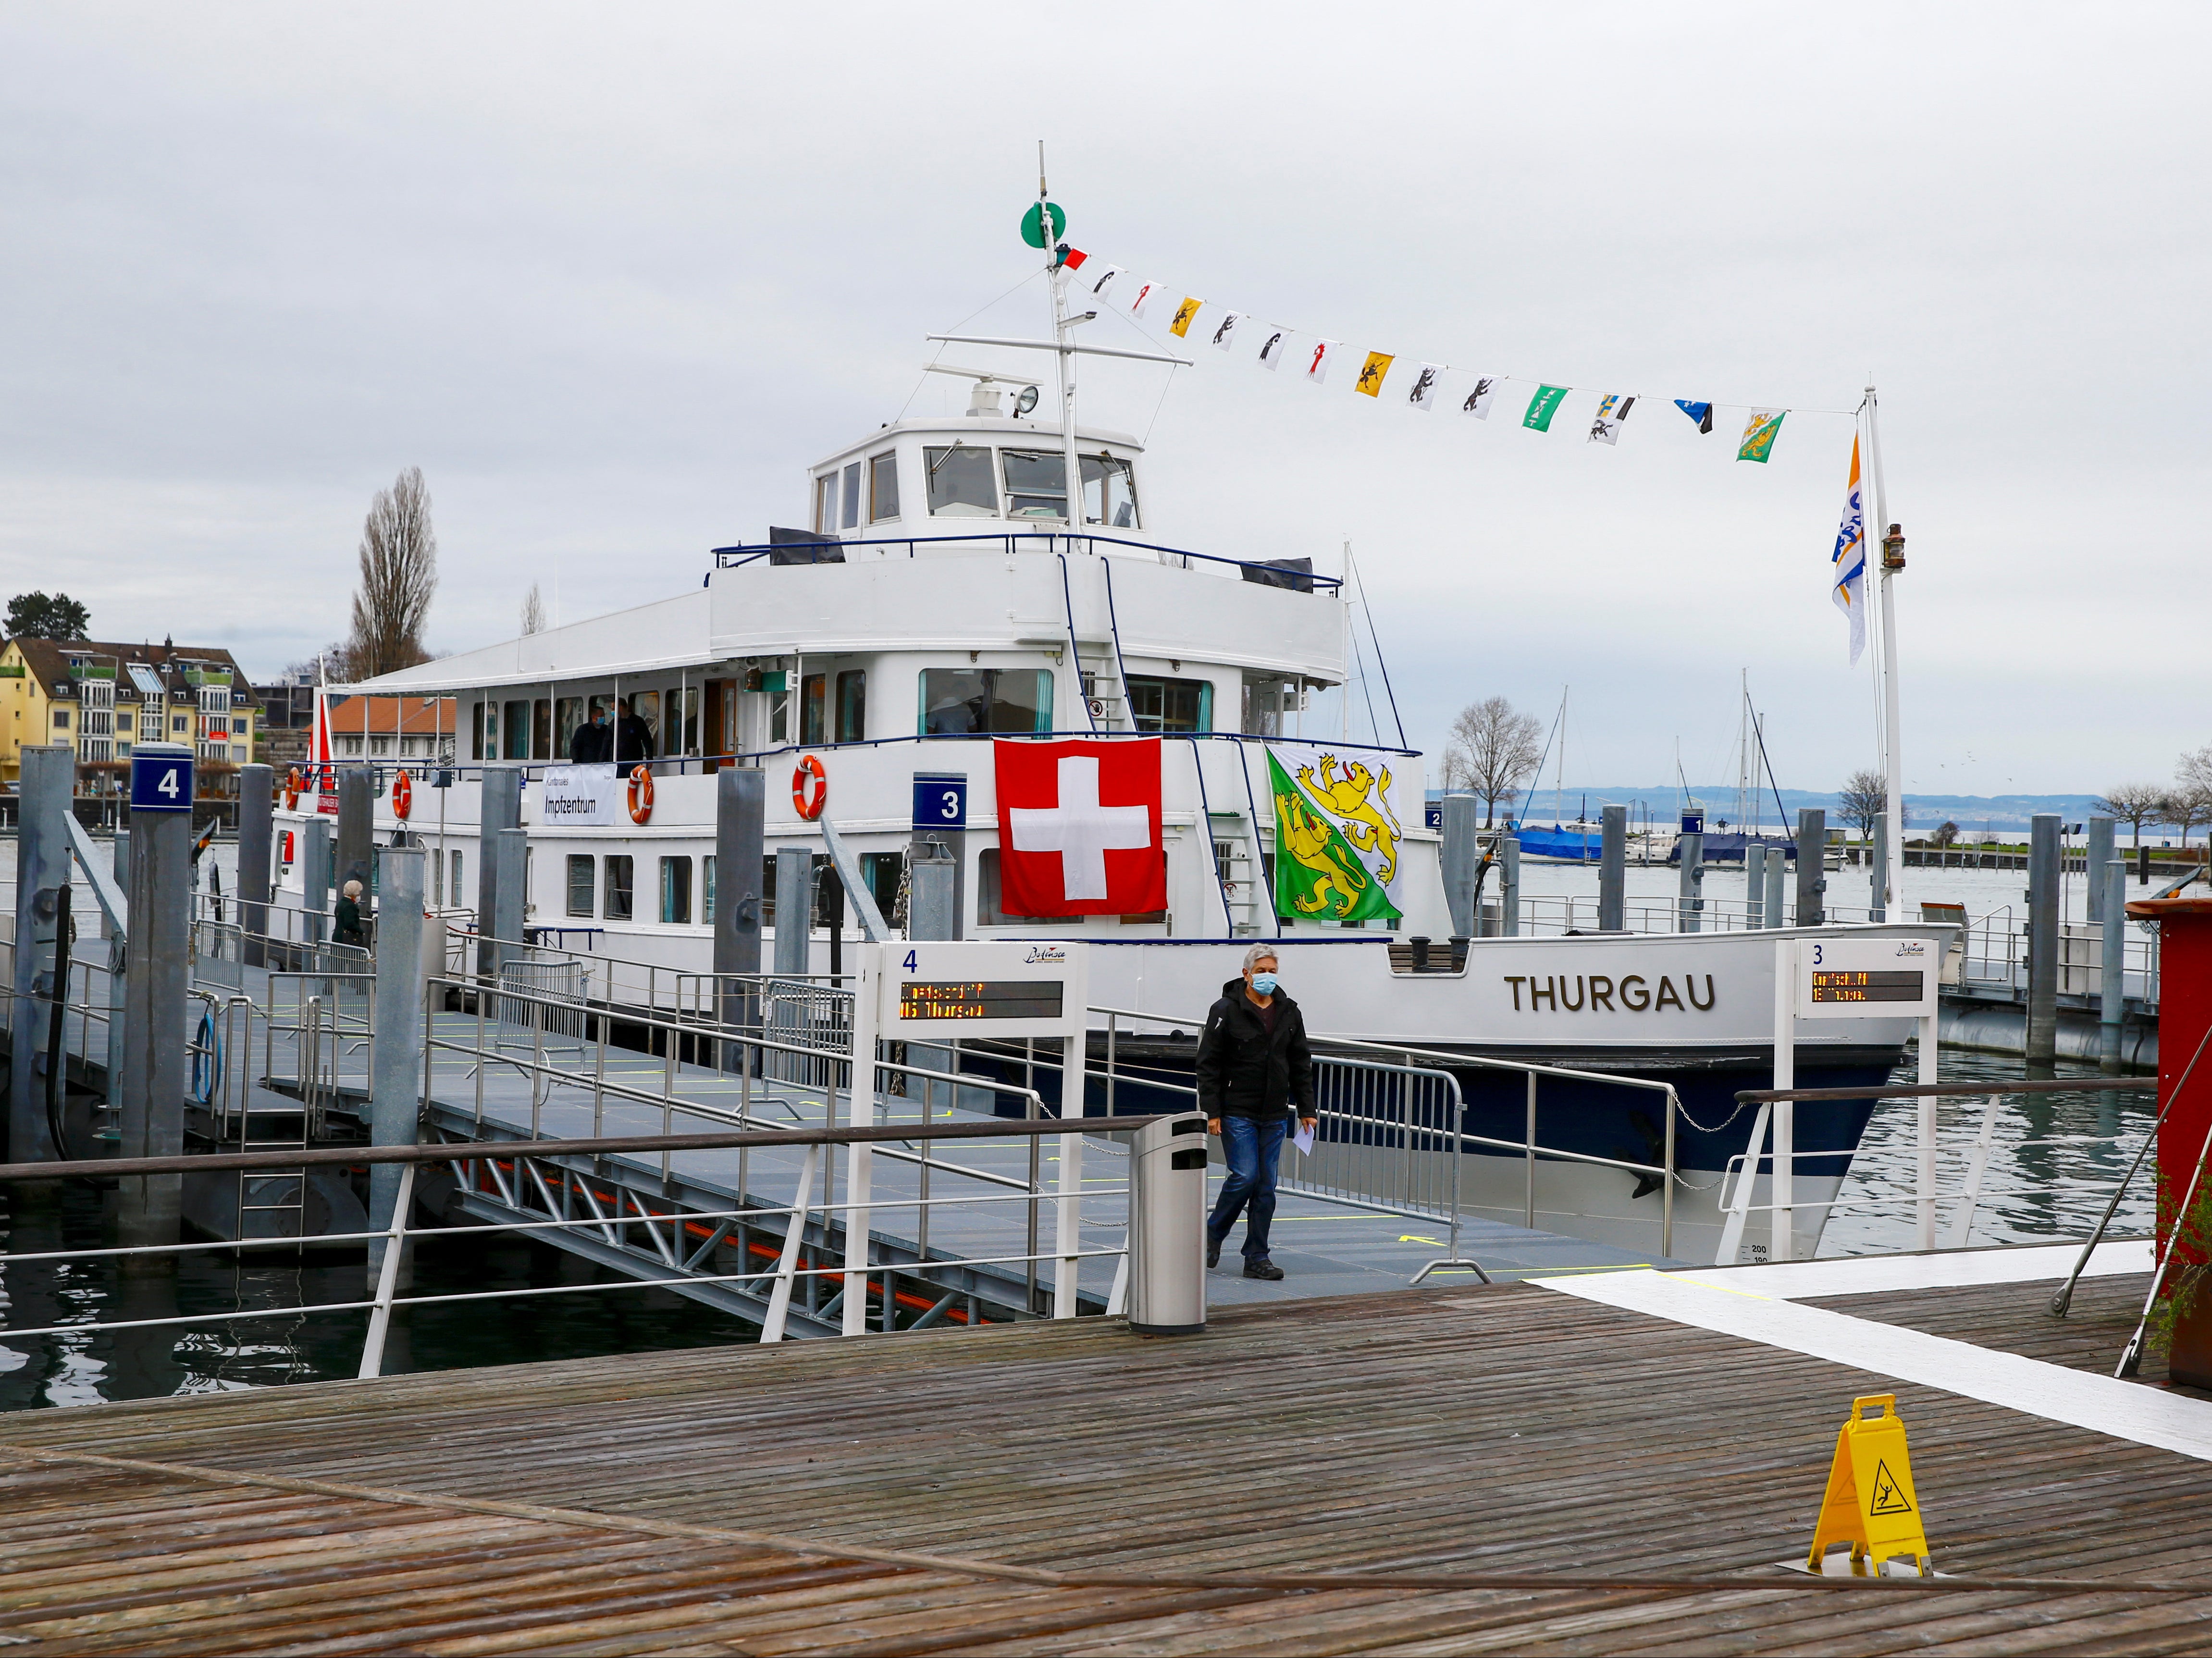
1849 559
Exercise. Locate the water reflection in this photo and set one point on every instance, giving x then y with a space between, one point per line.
84 1368
2031 1192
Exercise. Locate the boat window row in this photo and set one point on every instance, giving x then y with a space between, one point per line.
605 887
967 480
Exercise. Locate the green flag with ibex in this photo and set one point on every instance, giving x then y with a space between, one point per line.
1336 842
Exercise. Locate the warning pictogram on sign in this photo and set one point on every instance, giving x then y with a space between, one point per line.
1870 1502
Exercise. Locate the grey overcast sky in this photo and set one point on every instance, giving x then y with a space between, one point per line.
612 276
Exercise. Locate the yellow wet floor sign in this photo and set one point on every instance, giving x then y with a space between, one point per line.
1870 1502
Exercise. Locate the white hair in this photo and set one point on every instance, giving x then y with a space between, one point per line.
352 888
1258 954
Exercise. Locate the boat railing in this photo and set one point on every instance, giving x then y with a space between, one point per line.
1013 541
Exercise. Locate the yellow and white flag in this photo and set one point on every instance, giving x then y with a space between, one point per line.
1372 372
1180 327
1611 413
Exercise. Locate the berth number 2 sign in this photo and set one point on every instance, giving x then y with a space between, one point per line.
1867 978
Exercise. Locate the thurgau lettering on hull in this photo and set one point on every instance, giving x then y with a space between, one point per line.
1598 991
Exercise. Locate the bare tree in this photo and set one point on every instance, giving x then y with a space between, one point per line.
1491 752
2134 805
399 574
2186 806
328 666
1863 798
1947 833
533 611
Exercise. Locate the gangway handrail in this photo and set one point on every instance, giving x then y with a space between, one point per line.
1941 1090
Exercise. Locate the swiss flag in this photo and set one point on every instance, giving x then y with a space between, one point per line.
1079 827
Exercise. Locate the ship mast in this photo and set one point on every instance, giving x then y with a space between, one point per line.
1062 326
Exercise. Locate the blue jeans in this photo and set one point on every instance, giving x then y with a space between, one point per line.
1255 1150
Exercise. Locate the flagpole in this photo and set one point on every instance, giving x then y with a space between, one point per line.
1892 763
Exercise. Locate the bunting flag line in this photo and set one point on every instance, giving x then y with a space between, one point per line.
1850 558
1424 390
1543 406
1759 435
1606 428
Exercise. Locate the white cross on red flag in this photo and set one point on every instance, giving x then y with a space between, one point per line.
1079 827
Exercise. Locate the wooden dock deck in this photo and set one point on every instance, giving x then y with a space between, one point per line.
1460 1469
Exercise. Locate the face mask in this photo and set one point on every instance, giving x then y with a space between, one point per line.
1264 983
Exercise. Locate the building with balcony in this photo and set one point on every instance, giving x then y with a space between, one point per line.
104 699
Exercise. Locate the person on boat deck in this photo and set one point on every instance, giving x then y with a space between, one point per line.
1252 1063
346 928
591 743
633 738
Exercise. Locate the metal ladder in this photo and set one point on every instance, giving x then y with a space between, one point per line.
1097 662
1238 871
283 1193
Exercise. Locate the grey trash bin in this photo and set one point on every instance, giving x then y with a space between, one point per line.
1167 1227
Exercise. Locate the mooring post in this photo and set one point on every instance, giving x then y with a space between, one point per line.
794 923
1811 865
315 877
1612 870
1692 845
157 966
42 870
741 820
1878 883
117 950
2142 865
1754 885
1509 869
2101 852
395 1083
929 915
257 801
356 829
510 852
498 807
2112 876
2043 939
1460 852
1777 864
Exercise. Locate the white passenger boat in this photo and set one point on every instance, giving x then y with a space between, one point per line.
941 610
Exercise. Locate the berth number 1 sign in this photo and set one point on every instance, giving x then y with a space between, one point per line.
1866 978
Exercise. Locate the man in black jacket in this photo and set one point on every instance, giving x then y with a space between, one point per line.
1252 1062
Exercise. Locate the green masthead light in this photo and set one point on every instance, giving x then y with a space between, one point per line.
1033 231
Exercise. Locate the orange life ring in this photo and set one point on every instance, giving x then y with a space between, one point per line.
641 794
402 794
292 784
810 787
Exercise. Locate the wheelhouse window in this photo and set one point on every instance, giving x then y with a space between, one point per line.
676 891
1110 492
961 484
582 877
825 502
1037 483
707 889
567 714
516 718
882 488
618 906
852 519
960 701
1171 705
852 706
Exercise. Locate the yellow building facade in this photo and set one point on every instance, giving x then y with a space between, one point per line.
102 700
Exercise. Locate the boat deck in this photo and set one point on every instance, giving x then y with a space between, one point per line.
1467 1469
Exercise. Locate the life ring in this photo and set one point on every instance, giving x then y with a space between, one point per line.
641 794
403 795
292 784
810 787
